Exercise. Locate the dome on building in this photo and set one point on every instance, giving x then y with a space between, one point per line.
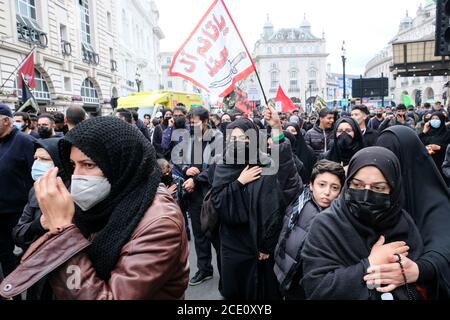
305 24
407 22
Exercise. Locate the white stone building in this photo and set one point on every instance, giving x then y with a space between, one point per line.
78 51
172 83
138 56
421 27
293 58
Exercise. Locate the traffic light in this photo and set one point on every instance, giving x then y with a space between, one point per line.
442 28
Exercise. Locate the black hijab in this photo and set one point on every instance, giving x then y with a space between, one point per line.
439 136
128 161
51 146
338 239
338 152
427 198
303 152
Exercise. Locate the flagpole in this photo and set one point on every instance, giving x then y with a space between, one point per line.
260 84
17 68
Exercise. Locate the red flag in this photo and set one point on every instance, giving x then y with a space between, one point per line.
283 103
27 70
214 57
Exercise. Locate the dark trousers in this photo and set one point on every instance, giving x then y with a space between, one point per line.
202 243
8 261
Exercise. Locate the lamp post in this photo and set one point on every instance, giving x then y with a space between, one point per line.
138 82
344 59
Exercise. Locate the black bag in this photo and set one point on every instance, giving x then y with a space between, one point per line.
209 217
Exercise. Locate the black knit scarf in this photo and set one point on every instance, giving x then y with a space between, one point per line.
128 161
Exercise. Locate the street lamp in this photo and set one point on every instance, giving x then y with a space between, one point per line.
138 82
344 59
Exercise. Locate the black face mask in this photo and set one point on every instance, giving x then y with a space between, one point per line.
345 142
379 115
166 121
180 123
371 208
44 132
239 151
167 180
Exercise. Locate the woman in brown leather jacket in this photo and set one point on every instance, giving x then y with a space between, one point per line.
117 234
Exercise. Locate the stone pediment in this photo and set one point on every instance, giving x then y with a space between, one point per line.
284 35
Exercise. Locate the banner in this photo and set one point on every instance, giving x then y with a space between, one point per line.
27 71
214 57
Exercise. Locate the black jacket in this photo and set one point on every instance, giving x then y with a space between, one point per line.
29 227
16 160
319 140
370 137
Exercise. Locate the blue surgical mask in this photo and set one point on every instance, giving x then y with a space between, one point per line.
435 123
18 126
40 168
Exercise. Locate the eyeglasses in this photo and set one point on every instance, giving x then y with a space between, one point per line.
379 187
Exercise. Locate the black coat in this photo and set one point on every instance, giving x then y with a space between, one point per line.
16 160
370 137
251 220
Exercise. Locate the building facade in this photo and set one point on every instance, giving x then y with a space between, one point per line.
138 44
411 29
172 83
294 58
78 52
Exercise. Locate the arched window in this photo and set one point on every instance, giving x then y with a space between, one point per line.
312 73
89 93
41 92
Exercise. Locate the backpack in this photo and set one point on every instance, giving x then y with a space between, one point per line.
209 217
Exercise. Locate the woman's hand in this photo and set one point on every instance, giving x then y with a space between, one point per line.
426 127
434 147
55 201
44 223
390 275
172 189
263 257
249 175
381 253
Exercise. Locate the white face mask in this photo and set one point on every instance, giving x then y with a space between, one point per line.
88 191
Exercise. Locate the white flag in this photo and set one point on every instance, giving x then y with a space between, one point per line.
214 57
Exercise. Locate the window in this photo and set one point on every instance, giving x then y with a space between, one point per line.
169 84
67 84
28 29
111 53
293 63
280 50
274 65
269 50
312 73
26 8
293 51
109 21
169 60
89 93
85 23
293 79
63 32
274 80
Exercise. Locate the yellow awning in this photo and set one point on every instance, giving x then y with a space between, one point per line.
143 100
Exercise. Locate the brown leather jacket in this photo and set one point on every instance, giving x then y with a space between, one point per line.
152 265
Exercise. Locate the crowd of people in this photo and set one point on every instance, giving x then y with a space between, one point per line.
358 207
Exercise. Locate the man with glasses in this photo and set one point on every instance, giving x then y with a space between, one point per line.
16 160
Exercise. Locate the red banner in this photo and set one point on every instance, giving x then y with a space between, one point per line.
27 70
283 103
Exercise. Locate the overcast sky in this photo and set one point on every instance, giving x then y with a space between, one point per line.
366 25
